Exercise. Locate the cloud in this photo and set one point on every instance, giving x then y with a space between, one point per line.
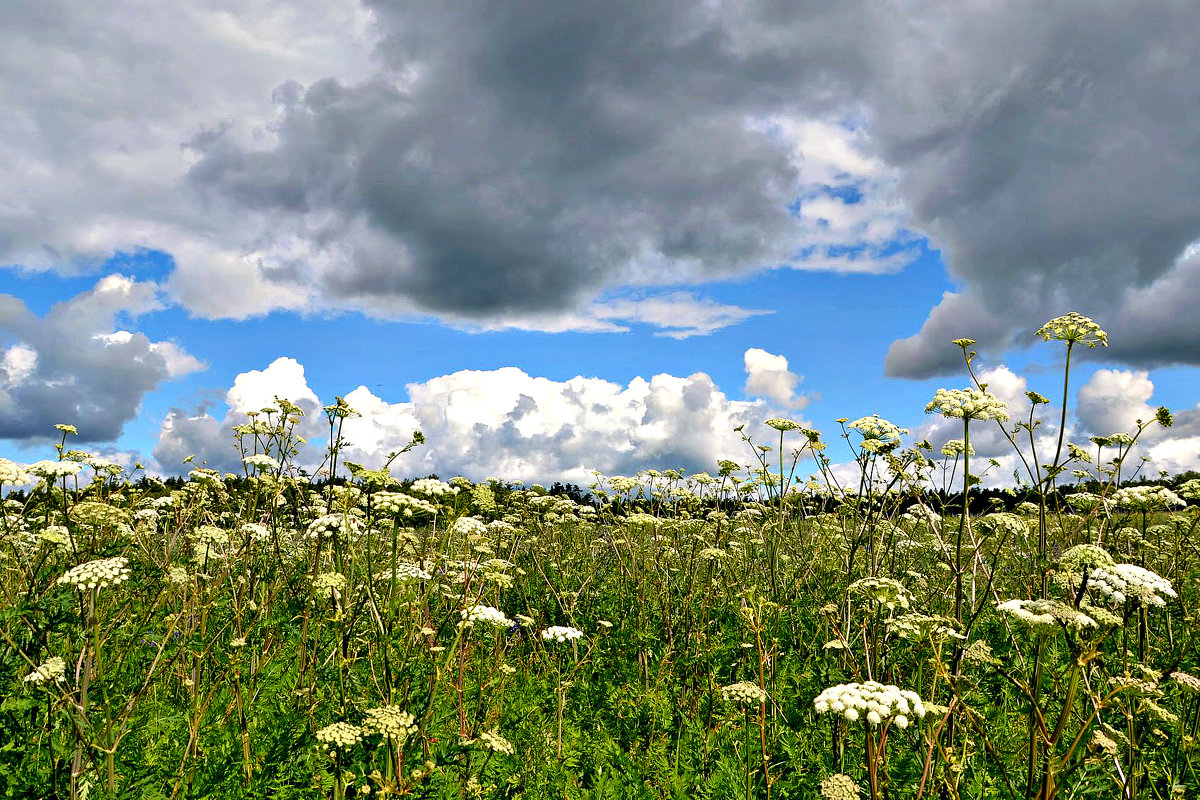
768 376
75 366
501 422
513 165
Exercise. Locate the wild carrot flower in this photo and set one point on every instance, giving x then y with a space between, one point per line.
98 574
52 669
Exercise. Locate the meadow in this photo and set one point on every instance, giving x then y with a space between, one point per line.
752 633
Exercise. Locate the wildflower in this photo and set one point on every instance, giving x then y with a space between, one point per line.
885 591
329 581
1074 328
496 743
432 487
391 721
481 613
98 574
11 473
1146 498
1101 742
1045 616
559 633
403 572
524 621
745 693
879 702
967 403
53 470
878 434
782 425
261 461
52 669
955 448
236 642
177 574
339 735
330 525
1119 582
56 535
468 527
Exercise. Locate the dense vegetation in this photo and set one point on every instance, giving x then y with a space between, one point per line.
669 635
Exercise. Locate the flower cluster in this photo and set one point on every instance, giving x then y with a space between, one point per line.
53 470
469 526
782 425
327 581
877 701
391 721
481 613
887 592
840 787
340 735
1119 582
559 633
1073 328
432 487
98 574
878 434
744 693
955 448
403 572
261 461
331 525
53 669
1046 616
400 503
967 403
12 473
496 743
1146 498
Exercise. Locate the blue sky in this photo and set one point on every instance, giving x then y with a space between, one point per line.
390 210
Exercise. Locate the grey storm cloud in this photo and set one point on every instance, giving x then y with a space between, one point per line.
479 160
71 366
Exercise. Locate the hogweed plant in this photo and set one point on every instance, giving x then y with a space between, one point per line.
313 627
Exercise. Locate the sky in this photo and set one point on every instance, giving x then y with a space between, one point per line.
560 238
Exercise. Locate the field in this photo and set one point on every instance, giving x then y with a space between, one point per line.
665 635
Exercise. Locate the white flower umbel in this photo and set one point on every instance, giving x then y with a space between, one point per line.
341 735
876 702
1146 498
97 574
53 669
487 615
1122 582
261 461
1074 328
53 470
967 403
560 633
744 693
493 741
1046 616
391 721
878 434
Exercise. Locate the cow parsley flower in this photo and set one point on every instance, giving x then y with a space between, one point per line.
1073 328
52 669
969 403
98 574
559 633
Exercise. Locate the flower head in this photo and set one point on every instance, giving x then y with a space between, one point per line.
391 721
969 403
1074 328
559 633
97 574
486 614
878 702
339 735
782 425
52 669
744 693
878 434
